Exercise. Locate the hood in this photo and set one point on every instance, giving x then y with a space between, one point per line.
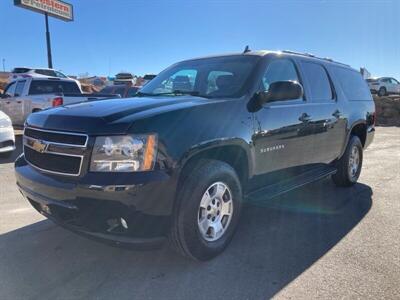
109 116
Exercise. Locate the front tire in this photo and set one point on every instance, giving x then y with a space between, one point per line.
350 164
207 210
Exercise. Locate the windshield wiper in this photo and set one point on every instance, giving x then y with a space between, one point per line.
175 93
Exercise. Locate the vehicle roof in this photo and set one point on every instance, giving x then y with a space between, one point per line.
278 52
33 68
43 78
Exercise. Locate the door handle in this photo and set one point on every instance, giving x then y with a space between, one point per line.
337 114
8 102
19 101
304 117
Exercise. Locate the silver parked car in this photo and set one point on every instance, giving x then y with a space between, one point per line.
384 86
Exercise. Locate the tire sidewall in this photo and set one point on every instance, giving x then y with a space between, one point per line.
354 142
383 93
190 197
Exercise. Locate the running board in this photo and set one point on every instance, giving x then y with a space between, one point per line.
289 184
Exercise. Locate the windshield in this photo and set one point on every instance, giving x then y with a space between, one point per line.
209 77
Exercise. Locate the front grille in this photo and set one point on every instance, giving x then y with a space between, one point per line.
53 162
56 137
55 152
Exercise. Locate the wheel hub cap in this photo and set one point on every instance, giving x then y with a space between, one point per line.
215 211
354 162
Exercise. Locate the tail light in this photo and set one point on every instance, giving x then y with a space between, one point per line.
57 101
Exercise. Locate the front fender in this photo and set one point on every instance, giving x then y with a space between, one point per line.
214 145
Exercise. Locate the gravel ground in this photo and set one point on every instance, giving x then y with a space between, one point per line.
318 242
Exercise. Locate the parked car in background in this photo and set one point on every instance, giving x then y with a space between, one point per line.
124 78
124 90
26 95
7 137
384 86
26 72
147 78
206 135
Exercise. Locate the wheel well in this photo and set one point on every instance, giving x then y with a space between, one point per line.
235 156
360 130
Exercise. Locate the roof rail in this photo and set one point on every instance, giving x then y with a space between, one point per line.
312 55
299 53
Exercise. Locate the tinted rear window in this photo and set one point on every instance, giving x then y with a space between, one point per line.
318 81
53 87
46 72
352 84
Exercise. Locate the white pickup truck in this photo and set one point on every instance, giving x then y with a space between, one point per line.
27 95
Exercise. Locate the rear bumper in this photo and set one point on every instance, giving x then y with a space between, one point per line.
130 210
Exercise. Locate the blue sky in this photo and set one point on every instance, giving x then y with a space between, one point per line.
146 36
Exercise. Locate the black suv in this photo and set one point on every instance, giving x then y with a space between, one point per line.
201 138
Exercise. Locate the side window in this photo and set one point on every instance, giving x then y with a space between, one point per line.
352 83
10 90
279 70
394 81
318 81
19 88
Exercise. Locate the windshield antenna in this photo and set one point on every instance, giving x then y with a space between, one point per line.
247 49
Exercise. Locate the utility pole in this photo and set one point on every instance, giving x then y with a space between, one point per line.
4 64
49 60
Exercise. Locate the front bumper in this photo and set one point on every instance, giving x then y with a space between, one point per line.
7 139
124 209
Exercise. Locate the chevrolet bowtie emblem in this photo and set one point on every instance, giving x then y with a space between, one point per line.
39 146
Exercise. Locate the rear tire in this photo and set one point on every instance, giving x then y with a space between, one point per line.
382 92
199 216
350 164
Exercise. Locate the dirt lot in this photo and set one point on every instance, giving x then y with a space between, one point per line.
317 242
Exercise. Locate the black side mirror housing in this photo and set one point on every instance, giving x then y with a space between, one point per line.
284 90
278 91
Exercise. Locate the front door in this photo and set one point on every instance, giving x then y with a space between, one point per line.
283 137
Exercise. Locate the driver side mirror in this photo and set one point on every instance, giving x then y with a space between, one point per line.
278 91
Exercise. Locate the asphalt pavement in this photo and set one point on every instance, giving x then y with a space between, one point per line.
318 242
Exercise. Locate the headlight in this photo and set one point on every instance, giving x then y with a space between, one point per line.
5 122
126 153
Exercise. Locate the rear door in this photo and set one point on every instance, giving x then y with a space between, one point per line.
327 115
282 135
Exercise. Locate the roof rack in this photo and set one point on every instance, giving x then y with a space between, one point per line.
312 55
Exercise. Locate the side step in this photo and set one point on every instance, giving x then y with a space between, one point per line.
289 184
